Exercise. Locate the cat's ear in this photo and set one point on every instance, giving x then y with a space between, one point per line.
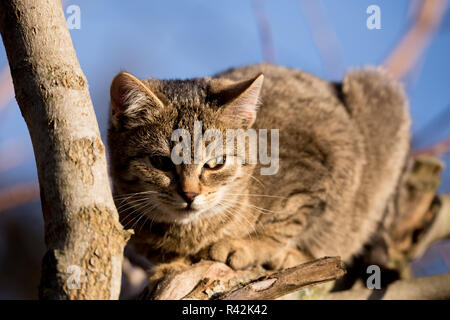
132 102
240 100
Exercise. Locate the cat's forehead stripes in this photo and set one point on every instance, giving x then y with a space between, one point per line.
185 93
191 100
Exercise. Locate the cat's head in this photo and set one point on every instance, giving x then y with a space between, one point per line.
144 116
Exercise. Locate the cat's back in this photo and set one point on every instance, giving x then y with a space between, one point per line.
282 85
349 139
290 97
369 104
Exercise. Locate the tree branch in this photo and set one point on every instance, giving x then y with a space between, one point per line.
213 280
324 38
81 222
408 52
286 281
265 32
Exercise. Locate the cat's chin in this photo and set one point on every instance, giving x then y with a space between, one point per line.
182 216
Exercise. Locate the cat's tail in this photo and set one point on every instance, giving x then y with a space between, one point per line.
378 104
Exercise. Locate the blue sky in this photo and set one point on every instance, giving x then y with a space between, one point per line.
181 39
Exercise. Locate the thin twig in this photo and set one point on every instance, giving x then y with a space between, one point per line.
264 31
413 45
434 150
324 38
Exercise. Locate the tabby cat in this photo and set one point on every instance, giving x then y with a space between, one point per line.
342 147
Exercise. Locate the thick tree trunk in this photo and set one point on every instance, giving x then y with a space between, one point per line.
84 238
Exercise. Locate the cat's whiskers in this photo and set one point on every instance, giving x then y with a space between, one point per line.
220 209
144 209
235 202
139 213
144 213
133 208
149 210
134 193
141 197
124 197
136 215
260 209
256 195
129 210
130 203
254 178
236 216
129 214
152 217
239 214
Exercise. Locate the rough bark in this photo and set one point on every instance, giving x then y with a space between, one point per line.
82 232
423 217
214 280
286 281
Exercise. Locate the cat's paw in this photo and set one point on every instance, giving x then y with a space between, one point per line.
246 253
159 272
286 258
238 254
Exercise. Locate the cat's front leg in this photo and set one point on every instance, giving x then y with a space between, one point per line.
160 271
246 253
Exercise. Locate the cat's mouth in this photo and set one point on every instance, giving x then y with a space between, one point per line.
180 215
187 210
184 212
191 208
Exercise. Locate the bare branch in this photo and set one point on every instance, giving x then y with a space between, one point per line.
324 38
435 149
410 49
286 281
214 280
264 31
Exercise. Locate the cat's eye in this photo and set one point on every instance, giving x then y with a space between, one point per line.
162 163
215 163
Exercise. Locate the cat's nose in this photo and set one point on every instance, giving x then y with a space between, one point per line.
189 196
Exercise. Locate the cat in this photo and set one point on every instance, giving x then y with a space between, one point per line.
342 148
